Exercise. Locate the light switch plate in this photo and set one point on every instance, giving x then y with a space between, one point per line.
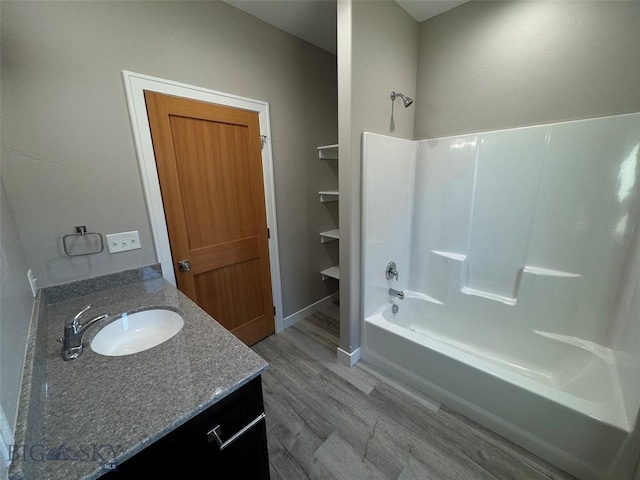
122 242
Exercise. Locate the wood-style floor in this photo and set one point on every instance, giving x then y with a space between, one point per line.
327 421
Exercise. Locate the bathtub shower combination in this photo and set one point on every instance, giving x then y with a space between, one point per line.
518 255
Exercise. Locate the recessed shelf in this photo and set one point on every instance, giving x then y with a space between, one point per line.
549 272
489 295
461 257
331 272
329 235
328 152
329 195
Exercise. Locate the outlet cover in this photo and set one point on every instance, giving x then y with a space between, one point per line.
122 242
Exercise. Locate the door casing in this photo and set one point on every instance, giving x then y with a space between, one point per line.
134 85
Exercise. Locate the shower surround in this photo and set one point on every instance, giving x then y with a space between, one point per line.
518 254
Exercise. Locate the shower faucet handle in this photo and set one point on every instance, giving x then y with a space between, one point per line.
392 271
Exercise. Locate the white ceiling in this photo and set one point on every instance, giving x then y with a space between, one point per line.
316 20
424 9
312 20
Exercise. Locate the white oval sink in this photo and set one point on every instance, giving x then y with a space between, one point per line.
136 332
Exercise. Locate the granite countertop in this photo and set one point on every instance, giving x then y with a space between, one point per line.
98 411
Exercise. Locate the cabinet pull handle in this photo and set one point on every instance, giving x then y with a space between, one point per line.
214 435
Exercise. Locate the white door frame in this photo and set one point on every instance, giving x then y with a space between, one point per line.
134 85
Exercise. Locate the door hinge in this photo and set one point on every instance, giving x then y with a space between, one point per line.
268 233
274 311
263 140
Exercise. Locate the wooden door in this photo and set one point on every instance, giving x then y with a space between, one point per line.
210 170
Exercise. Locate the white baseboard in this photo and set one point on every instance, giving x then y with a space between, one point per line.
306 311
348 359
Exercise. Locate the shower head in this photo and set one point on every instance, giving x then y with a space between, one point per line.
406 100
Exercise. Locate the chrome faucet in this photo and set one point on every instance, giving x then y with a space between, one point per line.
73 333
392 271
396 293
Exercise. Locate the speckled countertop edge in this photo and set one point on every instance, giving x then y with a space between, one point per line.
201 375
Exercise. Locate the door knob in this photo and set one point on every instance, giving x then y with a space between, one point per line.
184 265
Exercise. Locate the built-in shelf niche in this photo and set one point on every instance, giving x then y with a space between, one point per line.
329 152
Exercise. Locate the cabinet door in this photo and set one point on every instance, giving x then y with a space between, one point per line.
192 451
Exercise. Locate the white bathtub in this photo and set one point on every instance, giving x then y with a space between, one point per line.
559 397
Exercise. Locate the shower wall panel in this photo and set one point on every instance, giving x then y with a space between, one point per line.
442 210
586 209
389 165
538 219
506 182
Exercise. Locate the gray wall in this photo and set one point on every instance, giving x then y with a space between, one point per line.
383 57
66 138
16 303
492 65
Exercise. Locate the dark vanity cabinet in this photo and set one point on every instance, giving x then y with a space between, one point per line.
226 441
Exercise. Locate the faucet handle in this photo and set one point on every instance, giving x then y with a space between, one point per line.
391 271
75 319
99 317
